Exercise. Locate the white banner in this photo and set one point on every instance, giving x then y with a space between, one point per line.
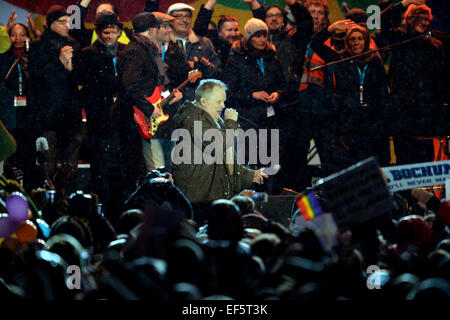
417 175
447 189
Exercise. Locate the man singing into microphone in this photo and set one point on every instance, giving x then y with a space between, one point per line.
220 179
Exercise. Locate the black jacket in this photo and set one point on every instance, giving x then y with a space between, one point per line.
418 77
243 77
54 87
138 78
291 43
178 68
356 118
12 117
99 79
177 72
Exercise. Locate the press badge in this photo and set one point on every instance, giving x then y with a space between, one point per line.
270 111
20 101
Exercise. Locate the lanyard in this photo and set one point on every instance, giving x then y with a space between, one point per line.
362 78
20 80
115 65
260 63
362 75
163 51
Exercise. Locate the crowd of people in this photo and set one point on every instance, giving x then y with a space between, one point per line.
161 248
147 228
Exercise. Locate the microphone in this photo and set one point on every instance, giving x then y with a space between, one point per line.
27 49
248 121
41 154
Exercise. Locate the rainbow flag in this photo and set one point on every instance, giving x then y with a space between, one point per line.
309 206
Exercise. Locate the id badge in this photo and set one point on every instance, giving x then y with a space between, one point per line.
270 111
20 101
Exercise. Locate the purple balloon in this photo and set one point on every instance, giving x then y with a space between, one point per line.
17 206
7 226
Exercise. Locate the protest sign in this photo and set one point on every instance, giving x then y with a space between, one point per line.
417 175
356 194
324 226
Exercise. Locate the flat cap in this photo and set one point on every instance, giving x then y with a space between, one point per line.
179 6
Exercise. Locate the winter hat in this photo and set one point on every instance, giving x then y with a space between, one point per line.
178 7
54 13
108 20
145 20
253 26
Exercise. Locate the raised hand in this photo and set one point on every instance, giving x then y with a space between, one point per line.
65 56
259 176
406 3
230 114
177 95
341 25
210 4
32 26
11 21
253 4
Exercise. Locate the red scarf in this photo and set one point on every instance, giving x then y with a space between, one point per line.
17 52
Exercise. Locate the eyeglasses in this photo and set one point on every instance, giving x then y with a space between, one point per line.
183 16
165 25
275 15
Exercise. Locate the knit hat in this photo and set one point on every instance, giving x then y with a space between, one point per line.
145 20
253 26
108 20
54 13
178 7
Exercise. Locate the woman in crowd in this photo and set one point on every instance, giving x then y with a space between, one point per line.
360 94
254 77
14 102
418 77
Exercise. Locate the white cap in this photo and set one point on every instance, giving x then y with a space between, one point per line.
179 6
